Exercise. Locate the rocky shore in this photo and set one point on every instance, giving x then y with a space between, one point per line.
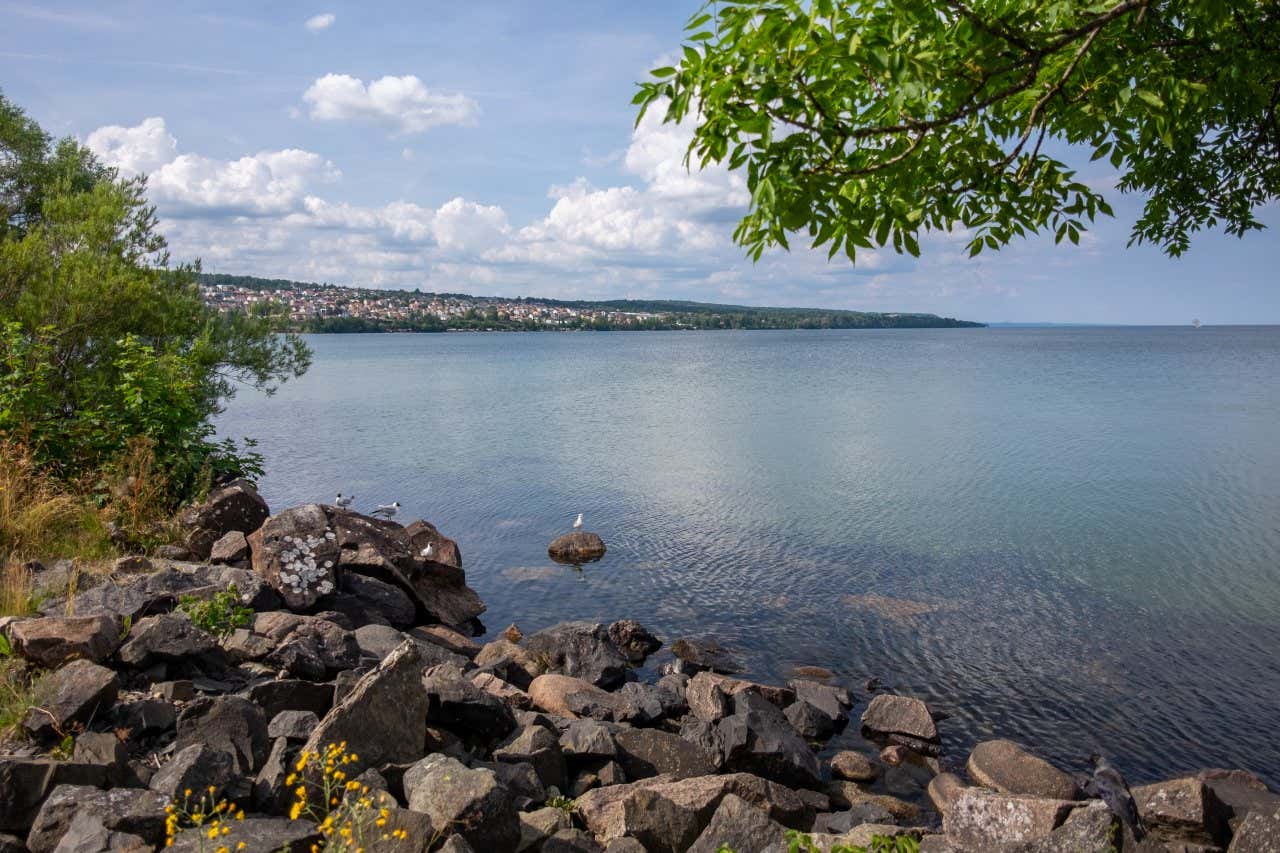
205 696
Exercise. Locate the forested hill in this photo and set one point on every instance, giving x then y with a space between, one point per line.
331 308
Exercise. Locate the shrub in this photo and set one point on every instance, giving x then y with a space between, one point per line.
220 614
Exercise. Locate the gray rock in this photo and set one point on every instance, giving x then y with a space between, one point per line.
571 841
270 794
650 752
294 725
838 823
1243 792
944 789
537 826
853 766
581 650
105 749
704 654
456 844
1091 827
171 638
25 783
981 820
471 801
88 833
383 718
455 703
131 596
73 695
1007 767
307 647
904 720
235 506
850 795
144 717
1259 833
448 638
52 641
258 834
368 600
231 549
577 547
134 811
1183 810
288 694
641 704
231 724
658 823
199 767
707 699
759 739
512 696
588 739
631 638
519 779
297 552
539 748
742 827
819 710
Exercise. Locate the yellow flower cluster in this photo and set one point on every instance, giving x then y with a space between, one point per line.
208 816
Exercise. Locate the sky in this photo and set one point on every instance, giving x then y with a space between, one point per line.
491 148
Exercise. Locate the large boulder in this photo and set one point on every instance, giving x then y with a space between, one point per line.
650 752
72 695
562 694
25 783
470 801
819 710
743 828
1259 833
171 638
853 766
538 747
633 640
982 820
89 833
368 600
1010 769
576 548
580 649
256 834
52 641
232 549
1183 810
135 811
130 596
455 703
383 719
307 647
200 767
444 551
904 720
231 724
297 553
759 739
236 506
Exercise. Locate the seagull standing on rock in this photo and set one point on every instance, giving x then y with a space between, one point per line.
387 510
430 551
577 523
343 501
1109 785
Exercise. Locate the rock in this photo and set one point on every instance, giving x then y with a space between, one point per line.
895 754
470 801
902 719
231 724
813 673
864 835
849 795
1010 769
581 650
819 710
307 647
200 767
134 811
258 834
457 704
25 783
743 828
367 600
853 766
981 820
513 696
699 655
649 752
72 695
296 552
231 549
640 704
88 833
838 823
631 638
706 698
382 719
539 748
1259 833
537 826
571 841
181 690
1243 792
288 694
446 553
105 749
576 547
758 739
944 789
293 725
588 739
562 694
450 639
456 844
171 638
624 845
1091 827
509 662
1183 810
270 794
144 717
235 506
519 779
52 641
811 723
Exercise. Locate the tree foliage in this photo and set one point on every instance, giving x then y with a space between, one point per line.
102 343
862 123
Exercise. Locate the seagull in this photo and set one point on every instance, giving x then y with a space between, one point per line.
1109 785
577 523
429 551
387 510
343 501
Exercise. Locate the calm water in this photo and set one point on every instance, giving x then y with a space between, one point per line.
1092 514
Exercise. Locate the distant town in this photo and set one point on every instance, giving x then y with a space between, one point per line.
309 307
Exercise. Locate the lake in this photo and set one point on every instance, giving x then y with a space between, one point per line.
1065 536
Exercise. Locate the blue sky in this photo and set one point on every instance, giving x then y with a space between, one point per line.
488 147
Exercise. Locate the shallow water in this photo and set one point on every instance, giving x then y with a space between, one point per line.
1093 515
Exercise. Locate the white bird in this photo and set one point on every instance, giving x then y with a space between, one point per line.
429 551
387 510
577 522
343 501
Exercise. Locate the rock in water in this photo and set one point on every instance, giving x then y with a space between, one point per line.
576 547
904 720
1010 769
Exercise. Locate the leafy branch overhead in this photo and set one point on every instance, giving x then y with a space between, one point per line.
862 123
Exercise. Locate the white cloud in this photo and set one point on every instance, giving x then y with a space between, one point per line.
403 102
134 150
320 22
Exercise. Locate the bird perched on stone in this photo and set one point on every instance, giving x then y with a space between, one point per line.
1108 785
343 501
430 551
577 522
387 510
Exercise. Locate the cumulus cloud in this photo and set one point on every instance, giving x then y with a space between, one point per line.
320 22
401 102
134 150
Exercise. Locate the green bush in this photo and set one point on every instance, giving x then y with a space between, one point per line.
220 614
